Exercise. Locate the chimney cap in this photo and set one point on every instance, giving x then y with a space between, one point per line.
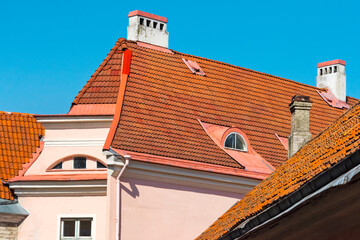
328 63
148 15
300 98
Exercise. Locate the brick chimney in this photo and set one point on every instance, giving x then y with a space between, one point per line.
300 119
331 75
148 28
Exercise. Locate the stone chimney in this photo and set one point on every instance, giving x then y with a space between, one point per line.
331 75
300 120
148 28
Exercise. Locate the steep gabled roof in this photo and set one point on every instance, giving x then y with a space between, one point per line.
19 140
339 141
103 86
164 100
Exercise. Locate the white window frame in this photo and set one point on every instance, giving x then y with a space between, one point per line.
76 217
243 141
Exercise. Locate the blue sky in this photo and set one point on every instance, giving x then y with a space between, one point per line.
49 49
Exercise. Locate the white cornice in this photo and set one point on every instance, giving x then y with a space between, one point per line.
73 142
189 177
69 118
60 188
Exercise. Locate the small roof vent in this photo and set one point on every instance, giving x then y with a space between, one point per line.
194 67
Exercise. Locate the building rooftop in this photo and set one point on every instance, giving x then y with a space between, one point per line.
163 102
19 142
337 142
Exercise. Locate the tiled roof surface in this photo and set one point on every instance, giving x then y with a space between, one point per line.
339 140
103 86
19 138
164 99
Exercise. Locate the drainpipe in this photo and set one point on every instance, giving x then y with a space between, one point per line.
127 160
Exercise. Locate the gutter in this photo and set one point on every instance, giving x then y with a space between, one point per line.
127 160
339 174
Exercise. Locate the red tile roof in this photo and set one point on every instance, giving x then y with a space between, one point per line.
103 86
163 100
19 140
339 140
338 61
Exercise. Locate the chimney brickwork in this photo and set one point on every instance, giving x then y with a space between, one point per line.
148 28
332 75
300 120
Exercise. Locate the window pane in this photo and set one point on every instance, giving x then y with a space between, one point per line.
100 165
79 162
58 166
69 228
230 141
85 228
239 143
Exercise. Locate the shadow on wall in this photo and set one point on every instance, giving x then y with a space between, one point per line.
133 191
129 185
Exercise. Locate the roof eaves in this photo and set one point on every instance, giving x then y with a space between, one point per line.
308 189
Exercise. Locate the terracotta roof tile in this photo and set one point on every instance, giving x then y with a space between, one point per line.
339 140
102 87
163 101
19 138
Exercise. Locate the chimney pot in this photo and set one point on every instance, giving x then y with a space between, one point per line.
148 28
331 75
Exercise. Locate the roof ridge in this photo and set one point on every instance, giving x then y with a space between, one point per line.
246 69
119 42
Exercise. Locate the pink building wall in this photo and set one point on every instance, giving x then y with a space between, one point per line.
42 222
155 210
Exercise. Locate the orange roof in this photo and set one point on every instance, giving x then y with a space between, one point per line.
338 141
102 87
19 140
163 100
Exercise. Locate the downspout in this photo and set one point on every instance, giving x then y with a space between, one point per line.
127 160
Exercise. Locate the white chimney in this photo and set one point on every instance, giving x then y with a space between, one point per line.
148 28
331 75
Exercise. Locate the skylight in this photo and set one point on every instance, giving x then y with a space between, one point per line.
194 67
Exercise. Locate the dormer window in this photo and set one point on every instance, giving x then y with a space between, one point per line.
235 141
76 163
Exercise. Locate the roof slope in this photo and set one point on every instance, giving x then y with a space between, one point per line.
102 87
19 138
339 140
164 99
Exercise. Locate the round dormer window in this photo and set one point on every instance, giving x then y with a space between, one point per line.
235 141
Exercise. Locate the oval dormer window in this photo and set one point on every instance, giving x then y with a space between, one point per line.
235 141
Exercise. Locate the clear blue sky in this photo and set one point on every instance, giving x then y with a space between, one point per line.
49 49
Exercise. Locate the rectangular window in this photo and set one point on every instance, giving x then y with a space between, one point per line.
79 162
76 229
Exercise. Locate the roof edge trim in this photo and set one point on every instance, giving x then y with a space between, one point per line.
125 69
27 165
308 189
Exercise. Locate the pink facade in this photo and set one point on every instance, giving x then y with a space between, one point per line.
155 201
154 210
